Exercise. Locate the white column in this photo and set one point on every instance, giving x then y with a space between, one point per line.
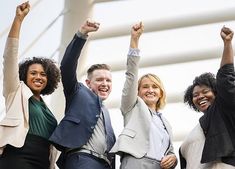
77 11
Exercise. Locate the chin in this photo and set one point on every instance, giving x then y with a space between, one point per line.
103 97
202 110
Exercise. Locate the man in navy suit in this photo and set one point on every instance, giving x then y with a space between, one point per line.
85 135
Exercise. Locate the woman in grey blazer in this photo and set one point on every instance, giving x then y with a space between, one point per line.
146 140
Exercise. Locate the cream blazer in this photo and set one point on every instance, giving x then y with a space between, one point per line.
134 139
15 125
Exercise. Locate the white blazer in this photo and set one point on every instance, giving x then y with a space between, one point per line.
15 125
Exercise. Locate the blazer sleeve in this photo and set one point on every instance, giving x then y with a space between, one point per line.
69 64
130 89
10 67
225 83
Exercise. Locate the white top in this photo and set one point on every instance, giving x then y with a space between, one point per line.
191 150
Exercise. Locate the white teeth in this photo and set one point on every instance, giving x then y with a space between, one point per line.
202 102
38 83
103 90
150 94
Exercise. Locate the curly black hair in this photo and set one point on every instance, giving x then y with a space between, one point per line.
50 68
207 79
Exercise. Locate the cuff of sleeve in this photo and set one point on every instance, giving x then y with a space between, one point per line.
133 52
80 35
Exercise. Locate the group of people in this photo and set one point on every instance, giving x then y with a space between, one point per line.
30 136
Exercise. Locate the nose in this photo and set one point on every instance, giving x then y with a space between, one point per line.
200 96
104 82
38 76
150 89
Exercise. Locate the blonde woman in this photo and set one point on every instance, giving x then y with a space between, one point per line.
146 140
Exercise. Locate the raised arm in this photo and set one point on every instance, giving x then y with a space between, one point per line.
72 54
10 63
130 89
21 11
227 36
225 77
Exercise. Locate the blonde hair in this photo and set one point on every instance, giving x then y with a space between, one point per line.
162 100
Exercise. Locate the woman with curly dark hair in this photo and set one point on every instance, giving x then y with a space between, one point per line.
49 66
28 124
211 144
205 79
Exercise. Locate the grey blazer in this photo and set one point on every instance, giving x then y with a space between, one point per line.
134 139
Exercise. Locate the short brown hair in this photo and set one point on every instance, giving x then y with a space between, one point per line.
94 67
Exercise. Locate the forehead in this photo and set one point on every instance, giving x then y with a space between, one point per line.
147 80
101 73
35 66
199 88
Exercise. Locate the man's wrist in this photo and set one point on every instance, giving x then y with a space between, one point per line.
82 35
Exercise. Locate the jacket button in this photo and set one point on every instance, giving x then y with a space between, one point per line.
92 127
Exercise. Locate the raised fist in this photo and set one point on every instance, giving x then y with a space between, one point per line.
137 30
22 10
89 26
226 34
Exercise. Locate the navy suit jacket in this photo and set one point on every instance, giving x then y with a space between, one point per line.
82 109
83 106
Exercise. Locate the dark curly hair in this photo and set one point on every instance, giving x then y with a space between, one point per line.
50 68
207 79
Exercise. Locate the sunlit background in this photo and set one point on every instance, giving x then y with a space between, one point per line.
181 40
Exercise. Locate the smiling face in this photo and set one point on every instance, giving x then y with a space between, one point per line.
100 82
36 79
150 92
203 97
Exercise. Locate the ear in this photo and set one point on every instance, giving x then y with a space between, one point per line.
88 82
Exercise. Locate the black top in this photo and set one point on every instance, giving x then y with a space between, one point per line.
218 122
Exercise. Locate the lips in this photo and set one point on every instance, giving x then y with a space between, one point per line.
38 83
203 104
150 95
103 91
